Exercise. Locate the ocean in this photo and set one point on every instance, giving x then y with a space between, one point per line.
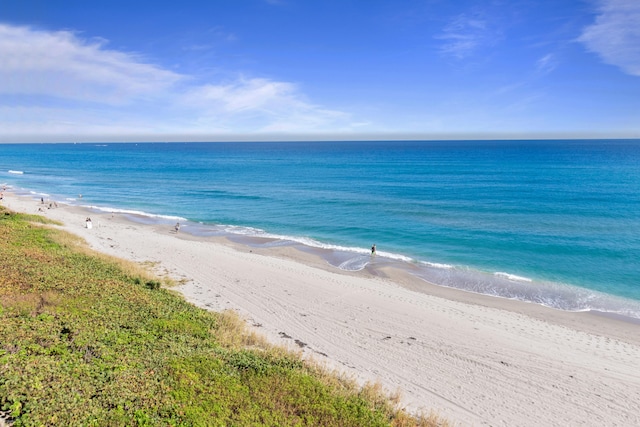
552 222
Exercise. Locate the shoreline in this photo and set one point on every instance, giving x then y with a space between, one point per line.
494 282
474 359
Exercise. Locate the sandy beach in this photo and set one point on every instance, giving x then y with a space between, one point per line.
473 359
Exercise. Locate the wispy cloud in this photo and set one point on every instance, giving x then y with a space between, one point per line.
546 64
270 105
242 95
58 82
615 35
60 64
466 34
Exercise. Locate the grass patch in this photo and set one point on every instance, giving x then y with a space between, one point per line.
89 340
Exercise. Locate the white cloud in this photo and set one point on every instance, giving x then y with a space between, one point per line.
60 83
274 106
466 34
615 35
546 64
242 95
59 64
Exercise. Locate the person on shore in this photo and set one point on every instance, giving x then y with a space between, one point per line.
177 227
89 223
373 249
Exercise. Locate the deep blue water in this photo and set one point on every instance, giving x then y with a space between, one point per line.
552 222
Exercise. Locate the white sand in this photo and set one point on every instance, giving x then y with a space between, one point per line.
475 360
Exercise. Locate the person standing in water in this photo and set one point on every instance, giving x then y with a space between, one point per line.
373 249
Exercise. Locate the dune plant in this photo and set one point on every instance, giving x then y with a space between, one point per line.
88 340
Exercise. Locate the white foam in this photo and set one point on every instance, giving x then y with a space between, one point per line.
354 264
245 231
16 172
134 212
437 265
306 241
512 277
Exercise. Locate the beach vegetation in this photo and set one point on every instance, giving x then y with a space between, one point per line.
89 340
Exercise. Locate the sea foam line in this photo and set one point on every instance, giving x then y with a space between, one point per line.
134 212
306 241
512 277
437 265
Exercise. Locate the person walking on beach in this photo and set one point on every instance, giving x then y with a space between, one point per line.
177 227
373 249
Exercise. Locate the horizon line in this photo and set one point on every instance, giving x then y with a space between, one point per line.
310 137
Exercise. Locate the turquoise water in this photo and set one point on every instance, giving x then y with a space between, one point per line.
551 222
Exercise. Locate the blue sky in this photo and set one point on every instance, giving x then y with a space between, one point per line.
158 70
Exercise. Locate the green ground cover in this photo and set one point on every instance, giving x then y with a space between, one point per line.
88 340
